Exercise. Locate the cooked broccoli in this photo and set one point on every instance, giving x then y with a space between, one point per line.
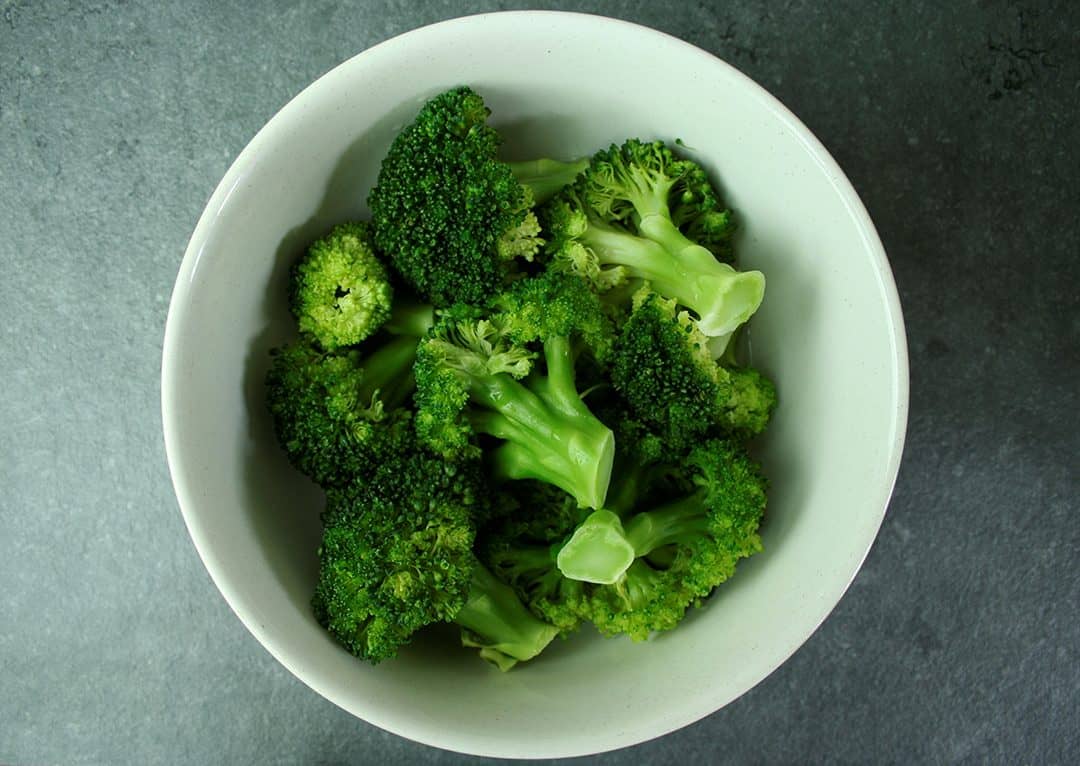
663 367
449 215
438 394
336 414
626 217
477 376
338 407
339 292
397 554
647 567
520 549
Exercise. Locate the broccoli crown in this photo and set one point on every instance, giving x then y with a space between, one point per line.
520 549
553 305
340 293
747 399
397 552
629 217
662 366
686 546
448 214
455 355
328 419
631 182
473 376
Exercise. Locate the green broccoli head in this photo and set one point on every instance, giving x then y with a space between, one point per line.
329 419
746 400
638 179
340 293
556 305
397 552
458 355
448 214
634 182
683 548
633 215
663 367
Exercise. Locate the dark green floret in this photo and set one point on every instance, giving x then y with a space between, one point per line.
480 376
452 218
664 369
339 293
397 555
337 414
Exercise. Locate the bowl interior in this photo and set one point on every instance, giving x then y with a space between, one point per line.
829 332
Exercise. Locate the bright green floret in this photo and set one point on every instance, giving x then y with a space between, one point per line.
628 216
663 367
683 548
340 293
452 218
480 376
397 555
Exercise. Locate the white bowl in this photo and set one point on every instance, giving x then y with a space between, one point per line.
830 332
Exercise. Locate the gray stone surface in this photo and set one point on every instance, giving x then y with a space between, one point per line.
960 639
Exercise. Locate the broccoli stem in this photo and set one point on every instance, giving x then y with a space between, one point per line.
496 622
680 520
526 561
598 551
410 318
545 177
602 549
550 434
722 297
388 373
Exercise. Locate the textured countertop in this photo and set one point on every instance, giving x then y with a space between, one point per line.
960 638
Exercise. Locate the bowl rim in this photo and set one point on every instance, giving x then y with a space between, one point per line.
429 734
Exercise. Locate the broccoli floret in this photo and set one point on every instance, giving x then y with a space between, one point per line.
678 552
336 414
397 554
520 550
625 218
337 407
477 376
449 215
663 367
340 293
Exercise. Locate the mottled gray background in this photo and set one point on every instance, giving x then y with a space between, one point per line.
960 639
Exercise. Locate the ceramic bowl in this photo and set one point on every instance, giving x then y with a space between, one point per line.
830 332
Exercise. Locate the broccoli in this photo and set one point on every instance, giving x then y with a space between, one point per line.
627 217
397 555
643 569
339 292
663 367
449 215
336 414
478 376
520 549
437 393
337 406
